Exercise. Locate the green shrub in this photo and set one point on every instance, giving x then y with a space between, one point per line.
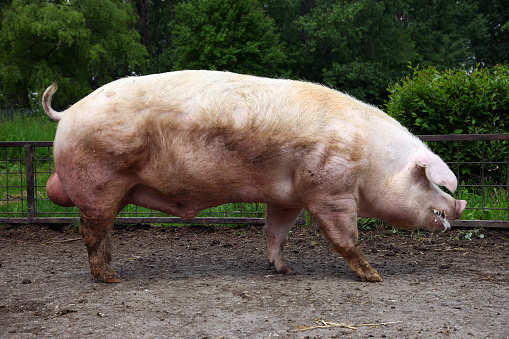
451 102
456 102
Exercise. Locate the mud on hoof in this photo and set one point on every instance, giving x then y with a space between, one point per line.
282 270
105 272
368 273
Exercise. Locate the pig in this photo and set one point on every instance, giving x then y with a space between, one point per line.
183 141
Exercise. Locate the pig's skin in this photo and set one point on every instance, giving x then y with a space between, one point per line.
184 141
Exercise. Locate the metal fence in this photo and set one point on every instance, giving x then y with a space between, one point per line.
482 172
481 164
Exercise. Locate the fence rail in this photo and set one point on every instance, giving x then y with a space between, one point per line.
26 165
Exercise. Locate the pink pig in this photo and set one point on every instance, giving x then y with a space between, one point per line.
184 141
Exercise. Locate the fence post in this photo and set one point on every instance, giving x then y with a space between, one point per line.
483 180
29 165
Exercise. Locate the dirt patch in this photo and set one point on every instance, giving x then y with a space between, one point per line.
213 282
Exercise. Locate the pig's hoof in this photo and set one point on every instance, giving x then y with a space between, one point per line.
281 270
107 274
284 270
369 274
374 278
110 279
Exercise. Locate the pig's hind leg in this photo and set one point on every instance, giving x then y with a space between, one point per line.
278 222
98 212
97 238
339 225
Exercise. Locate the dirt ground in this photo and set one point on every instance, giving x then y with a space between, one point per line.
213 282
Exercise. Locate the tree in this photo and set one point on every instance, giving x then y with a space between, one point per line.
81 44
34 36
153 26
114 49
446 31
493 47
233 35
356 46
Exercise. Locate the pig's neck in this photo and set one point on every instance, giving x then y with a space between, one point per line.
392 149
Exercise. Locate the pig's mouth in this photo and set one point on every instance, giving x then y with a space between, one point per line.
440 215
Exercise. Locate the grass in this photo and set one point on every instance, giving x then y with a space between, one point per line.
39 127
36 127
494 197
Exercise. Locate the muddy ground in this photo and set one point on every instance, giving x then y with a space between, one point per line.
213 282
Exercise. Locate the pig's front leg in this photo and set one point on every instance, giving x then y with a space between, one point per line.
96 236
279 220
338 222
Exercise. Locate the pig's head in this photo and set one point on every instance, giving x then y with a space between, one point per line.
415 199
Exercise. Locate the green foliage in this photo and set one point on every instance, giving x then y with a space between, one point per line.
79 43
225 35
356 46
468 234
364 48
36 127
153 26
446 32
494 198
493 47
113 49
369 223
361 46
21 127
431 102
35 34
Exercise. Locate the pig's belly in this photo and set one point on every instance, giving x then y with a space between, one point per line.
156 201
187 204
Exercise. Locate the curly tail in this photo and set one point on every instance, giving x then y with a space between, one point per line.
46 103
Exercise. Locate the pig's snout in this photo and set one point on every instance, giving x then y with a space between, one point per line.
459 208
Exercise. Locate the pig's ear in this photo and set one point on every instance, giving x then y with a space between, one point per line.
437 171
